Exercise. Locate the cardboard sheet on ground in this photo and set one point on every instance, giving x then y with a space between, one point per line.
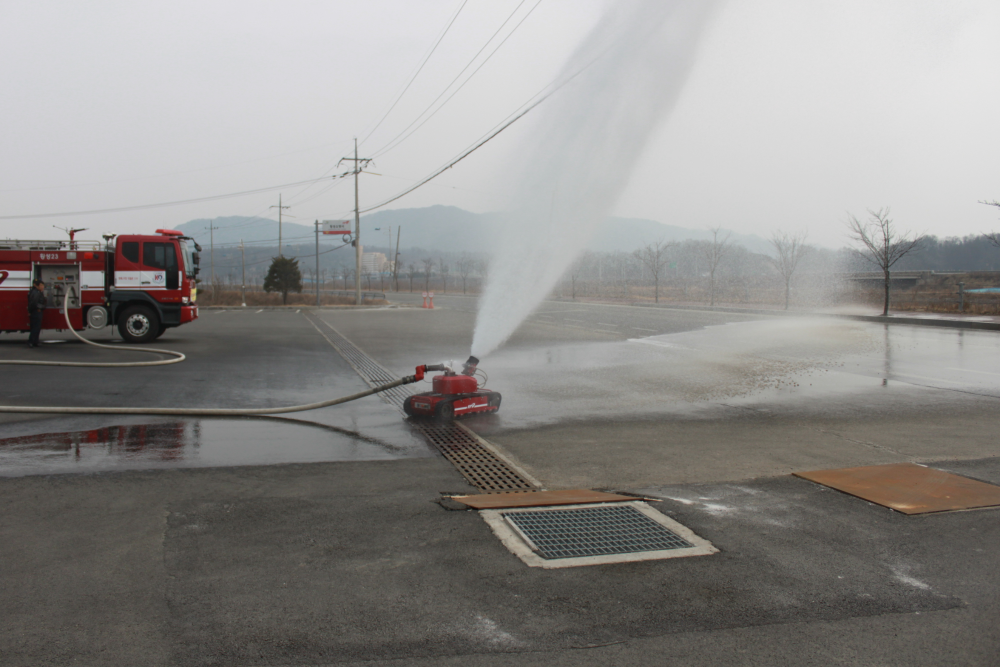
908 488
539 499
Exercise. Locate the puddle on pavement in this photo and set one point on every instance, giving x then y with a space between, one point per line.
189 443
795 364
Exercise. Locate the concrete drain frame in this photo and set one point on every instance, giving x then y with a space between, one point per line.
522 546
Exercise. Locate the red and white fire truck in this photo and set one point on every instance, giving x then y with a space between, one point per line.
144 285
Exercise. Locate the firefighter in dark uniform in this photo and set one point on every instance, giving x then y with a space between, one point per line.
36 309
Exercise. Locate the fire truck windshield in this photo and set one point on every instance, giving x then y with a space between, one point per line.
189 263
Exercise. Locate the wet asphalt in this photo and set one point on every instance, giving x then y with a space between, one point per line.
341 555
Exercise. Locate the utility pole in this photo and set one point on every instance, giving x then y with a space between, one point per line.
359 163
243 263
316 276
395 259
280 209
211 232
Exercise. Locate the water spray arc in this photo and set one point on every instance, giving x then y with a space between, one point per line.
586 145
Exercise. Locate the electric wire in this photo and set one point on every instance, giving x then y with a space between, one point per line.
417 72
393 142
455 161
264 261
174 173
513 118
180 202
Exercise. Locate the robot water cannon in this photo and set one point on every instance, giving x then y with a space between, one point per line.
453 394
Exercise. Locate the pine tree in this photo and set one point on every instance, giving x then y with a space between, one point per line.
283 276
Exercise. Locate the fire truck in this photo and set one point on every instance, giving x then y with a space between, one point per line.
144 285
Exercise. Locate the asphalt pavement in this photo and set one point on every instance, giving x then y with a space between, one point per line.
166 556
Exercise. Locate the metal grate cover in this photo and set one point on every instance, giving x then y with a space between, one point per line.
370 370
592 531
481 467
466 450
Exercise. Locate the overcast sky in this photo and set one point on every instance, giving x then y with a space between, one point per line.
795 112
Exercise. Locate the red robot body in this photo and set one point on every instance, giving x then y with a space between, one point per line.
453 395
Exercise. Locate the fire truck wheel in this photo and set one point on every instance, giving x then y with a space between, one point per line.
445 411
138 324
162 331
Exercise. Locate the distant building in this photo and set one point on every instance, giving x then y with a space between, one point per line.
374 262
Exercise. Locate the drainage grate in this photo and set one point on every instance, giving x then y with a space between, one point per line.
369 369
592 531
472 455
481 467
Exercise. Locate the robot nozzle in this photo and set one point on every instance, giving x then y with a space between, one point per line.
470 366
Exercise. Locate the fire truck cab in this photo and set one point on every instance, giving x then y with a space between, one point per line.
144 285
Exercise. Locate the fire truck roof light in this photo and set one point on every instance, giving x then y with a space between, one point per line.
169 232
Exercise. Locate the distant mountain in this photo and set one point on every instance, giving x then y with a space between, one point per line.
627 234
442 228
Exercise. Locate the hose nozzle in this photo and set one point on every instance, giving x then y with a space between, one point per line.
470 366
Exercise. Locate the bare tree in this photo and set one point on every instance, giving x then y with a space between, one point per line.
483 269
428 270
465 263
789 250
714 251
653 257
444 274
994 237
411 270
574 274
880 243
345 273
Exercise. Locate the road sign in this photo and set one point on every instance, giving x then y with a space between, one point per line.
335 226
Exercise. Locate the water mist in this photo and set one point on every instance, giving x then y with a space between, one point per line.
586 143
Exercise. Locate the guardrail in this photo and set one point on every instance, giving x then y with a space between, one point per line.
961 301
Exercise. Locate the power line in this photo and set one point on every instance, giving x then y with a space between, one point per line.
174 173
316 195
263 261
414 77
392 143
468 152
492 133
162 204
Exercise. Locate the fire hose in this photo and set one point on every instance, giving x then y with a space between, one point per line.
231 412
178 357
199 412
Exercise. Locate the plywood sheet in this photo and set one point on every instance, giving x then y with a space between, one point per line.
539 499
909 488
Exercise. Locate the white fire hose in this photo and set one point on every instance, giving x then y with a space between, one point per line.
178 357
200 412
209 412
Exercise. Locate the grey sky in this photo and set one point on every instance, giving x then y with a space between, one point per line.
794 114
